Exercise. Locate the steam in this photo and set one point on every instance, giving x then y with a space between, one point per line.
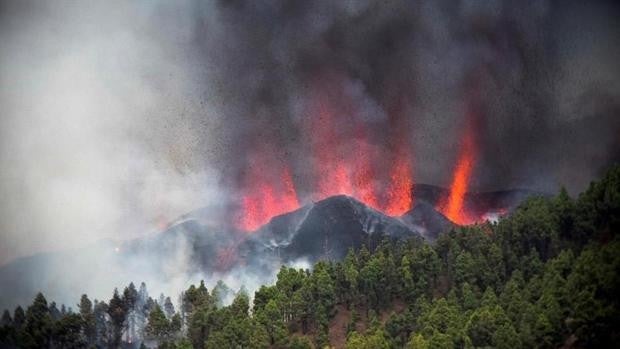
104 133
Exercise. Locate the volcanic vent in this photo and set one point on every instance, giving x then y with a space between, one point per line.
340 145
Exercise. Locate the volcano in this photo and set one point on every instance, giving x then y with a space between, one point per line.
194 245
426 220
326 229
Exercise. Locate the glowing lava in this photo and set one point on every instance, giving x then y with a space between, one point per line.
364 174
331 171
344 160
454 208
265 195
399 198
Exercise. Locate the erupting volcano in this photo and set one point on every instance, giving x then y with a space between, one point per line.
344 160
399 197
454 207
345 156
265 194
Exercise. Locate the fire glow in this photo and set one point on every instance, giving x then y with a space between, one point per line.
454 206
265 196
380 177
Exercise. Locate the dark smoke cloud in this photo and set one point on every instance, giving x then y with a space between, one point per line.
545 74
114 114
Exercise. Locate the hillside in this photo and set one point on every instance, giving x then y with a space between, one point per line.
194 246
546 276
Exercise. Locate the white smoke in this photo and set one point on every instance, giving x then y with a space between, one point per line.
100 119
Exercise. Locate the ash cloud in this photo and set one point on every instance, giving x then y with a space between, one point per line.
117 117
544 73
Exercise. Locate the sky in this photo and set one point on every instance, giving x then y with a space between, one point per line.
117 117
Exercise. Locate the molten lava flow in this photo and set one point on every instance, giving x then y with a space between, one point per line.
268 191
399 198
344 161
331 170
250 213
364 173
336 181
454 208
257 207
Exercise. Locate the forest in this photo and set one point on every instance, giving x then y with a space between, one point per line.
547 276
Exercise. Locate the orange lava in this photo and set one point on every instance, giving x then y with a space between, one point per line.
265 196
399 199
344 160
454 208
364 174
398 195
331 170
346 163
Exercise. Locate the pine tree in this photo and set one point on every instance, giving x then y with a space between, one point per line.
6 319
351 275
118 314
158 326
19 317
168 308
220 293
271 319
38 325
100 313
240 305
130 300
54 312
67 332
417 341
88 319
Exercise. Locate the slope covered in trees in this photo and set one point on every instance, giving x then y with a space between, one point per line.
548 276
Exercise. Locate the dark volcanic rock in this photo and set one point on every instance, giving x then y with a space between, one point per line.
426 220
327 229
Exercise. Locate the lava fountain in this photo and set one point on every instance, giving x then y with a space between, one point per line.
399 197
268 191
344 159
454 206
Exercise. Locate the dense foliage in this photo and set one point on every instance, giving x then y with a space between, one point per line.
547 276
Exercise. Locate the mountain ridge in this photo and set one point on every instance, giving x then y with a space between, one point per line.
325 229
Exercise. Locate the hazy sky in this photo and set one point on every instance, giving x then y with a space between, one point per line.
100 122
118 116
